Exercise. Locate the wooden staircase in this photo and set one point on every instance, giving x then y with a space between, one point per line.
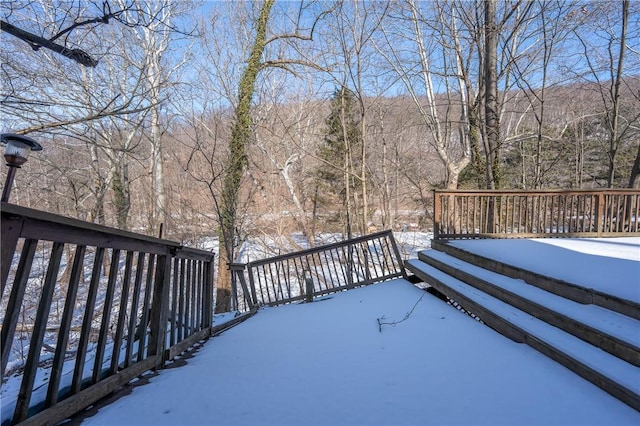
594 334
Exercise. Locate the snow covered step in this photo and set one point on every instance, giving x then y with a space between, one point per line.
611 331
574 291
612 374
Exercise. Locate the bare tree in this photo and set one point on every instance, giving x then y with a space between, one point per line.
614 118
634 178
490 98
356 24
158 67
286 136
107 106
538 143
93 19
237 159
264 41
436 60
606 50
28 86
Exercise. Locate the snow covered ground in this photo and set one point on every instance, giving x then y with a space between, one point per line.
387 354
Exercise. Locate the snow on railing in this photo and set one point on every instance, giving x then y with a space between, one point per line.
532 214
86 308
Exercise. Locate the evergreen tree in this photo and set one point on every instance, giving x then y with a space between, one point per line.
341 154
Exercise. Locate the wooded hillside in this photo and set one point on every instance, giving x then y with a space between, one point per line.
358 109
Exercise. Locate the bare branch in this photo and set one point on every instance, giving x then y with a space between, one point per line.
35 41
96 116
299 36
285 63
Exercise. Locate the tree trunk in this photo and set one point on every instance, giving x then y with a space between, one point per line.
157 175
387 214
156 44
121 195
492 125
478 161
237 160
223 292
363 173
99 188
301 217
615 114
634 178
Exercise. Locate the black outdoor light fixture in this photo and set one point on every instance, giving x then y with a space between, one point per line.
16 152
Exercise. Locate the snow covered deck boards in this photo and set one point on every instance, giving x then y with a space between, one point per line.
600 344
529 261
328 363
609 330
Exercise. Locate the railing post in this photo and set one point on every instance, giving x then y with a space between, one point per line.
252 284
11 229
491 219
437 218
396 252
207 315
237 271
600 213
160 307
233 297
308 286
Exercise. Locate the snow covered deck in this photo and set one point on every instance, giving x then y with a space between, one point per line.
609 265
385 354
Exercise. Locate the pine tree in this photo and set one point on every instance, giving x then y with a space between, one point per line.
340 153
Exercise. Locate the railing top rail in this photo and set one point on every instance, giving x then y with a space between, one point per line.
537 192
193 253
322 248
12 210
127 239
15 210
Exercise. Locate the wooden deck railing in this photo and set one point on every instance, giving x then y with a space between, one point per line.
530 214
325 269
93 307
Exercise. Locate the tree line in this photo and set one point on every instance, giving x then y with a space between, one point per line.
264 118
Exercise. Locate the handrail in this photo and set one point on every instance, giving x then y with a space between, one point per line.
130 301
531 214
320 270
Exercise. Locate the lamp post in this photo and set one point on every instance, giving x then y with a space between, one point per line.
16 152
